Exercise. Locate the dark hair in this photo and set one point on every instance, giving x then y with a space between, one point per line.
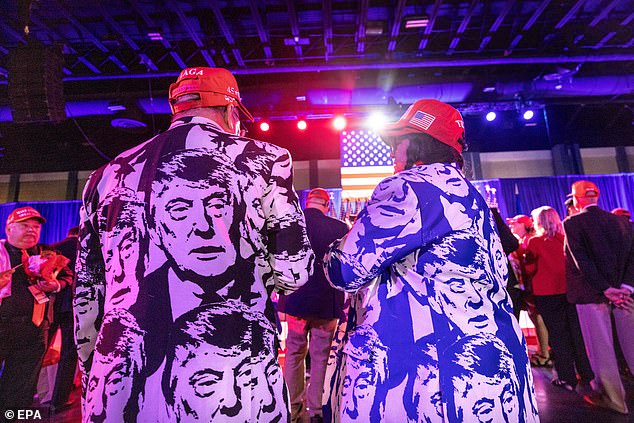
73 231
427 149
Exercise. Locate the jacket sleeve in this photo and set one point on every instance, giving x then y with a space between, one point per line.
509 242
530 257
575 246
388 229
88 300
290 255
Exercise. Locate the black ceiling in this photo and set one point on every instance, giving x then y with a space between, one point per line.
575 58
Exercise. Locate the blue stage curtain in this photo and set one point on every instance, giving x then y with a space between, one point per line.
60 217
515 196
522 195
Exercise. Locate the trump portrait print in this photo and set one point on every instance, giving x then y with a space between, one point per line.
430 335
182 241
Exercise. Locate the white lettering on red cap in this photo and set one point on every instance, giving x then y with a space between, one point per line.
460 123
191 72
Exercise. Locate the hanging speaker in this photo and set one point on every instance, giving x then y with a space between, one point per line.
35 86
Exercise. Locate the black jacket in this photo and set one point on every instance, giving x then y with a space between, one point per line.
600 246
64 298
317 299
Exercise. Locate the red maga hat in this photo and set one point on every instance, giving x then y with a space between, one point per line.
215 86
432 117
520 218
24 213
584 189
319 193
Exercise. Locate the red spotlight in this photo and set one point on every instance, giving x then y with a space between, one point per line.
264 126
301 125
339 123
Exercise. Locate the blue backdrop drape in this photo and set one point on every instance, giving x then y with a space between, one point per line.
521 195
60 217
515 196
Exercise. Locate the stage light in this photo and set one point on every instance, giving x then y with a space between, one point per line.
528 114
339 123
264 126
491 116
376 120
301 125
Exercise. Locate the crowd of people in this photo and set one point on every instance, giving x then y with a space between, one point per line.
184 238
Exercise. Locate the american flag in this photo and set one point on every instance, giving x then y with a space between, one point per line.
365 161
422 120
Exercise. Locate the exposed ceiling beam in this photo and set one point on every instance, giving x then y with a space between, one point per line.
264 36
292 18
571 13
496 25
192 33
363 21
497 61
463 26
430 25
149 22
529 24
396 25
604 13
624 23
222 23
144 59
327 14
16 35
114 59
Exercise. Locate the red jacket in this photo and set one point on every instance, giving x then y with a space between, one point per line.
545 262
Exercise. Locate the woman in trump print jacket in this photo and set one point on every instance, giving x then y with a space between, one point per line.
431 335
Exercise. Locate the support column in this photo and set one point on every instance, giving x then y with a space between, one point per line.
313 173
14 188
71 185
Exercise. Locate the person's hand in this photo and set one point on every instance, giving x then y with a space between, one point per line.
620 297
51 285
5 277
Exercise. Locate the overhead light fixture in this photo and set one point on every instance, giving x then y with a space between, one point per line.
376 121
490 117
339 123
528 114
300 98
301 125
416 21
116 106
264 126
374 28
296 41
488 89
155 36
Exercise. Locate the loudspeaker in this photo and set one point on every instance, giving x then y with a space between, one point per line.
35 86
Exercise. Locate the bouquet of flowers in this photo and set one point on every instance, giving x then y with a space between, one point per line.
44 266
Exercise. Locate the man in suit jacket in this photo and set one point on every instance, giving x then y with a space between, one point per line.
600 246
63 319
313 309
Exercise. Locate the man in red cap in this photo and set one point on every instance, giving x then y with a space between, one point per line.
424 261
25 314
312 312
219 224
599 246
